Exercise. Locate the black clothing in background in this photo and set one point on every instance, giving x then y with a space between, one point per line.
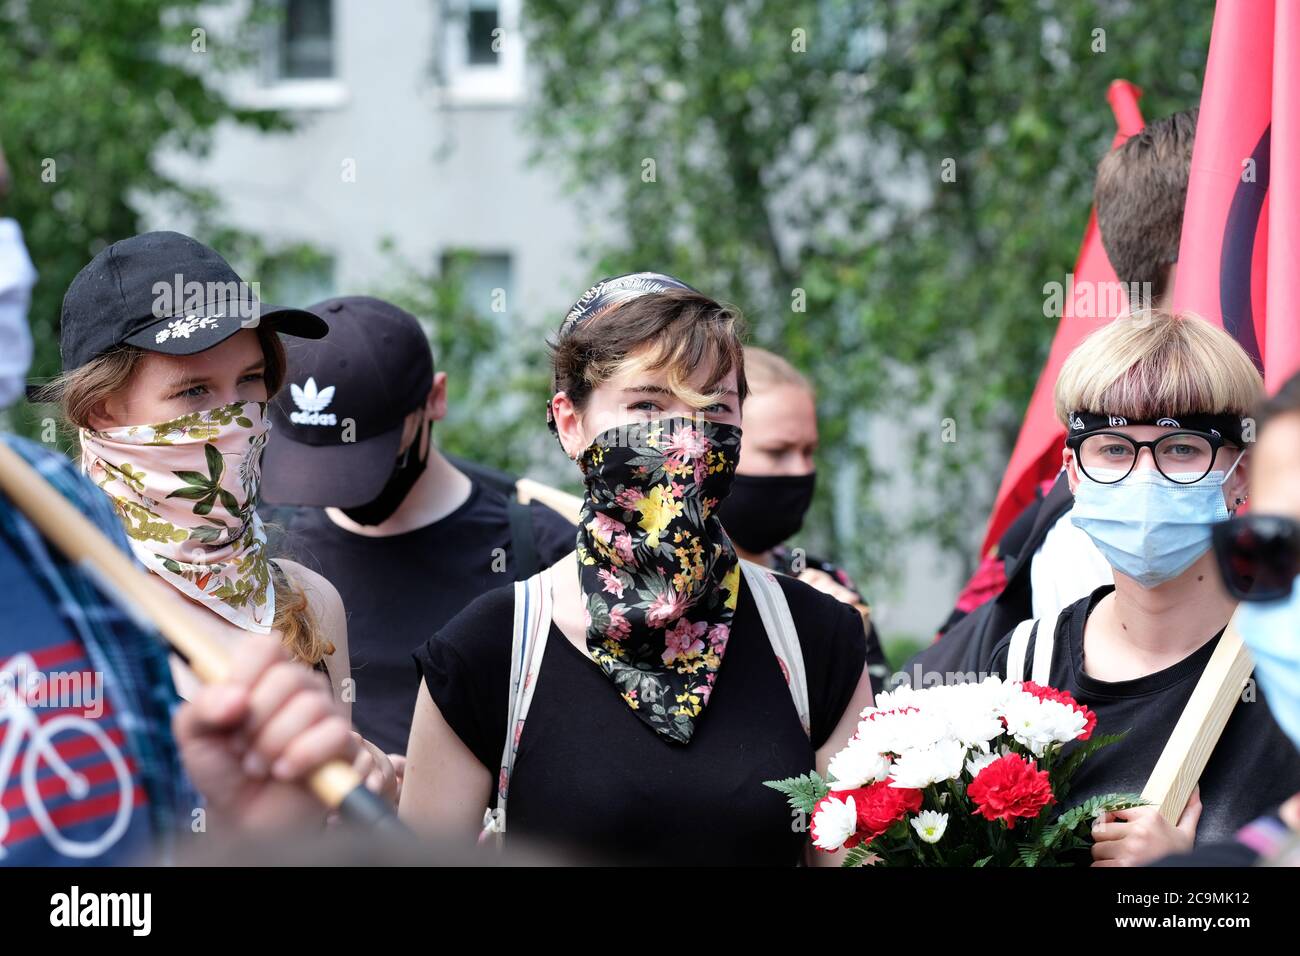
975 633
400 589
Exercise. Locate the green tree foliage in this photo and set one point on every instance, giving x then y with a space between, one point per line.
91 94
799 151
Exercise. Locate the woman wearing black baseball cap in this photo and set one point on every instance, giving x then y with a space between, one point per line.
677 678
169 359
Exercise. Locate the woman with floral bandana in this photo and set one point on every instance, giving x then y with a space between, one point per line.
662 680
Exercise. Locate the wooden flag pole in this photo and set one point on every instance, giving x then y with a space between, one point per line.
336 784
1200 726
568 506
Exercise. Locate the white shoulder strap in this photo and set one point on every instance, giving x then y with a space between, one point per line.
1016 652
1041 666
775 613
532 624
1040 671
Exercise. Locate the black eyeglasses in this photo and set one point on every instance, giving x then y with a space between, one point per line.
1258 555
1184 457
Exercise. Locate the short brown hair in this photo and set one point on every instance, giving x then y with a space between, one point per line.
1140 193
682 330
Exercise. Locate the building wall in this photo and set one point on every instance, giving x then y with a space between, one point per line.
386 152
389 151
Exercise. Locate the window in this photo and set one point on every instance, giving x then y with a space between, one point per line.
485 280
482 52
483 34
306 50
296 276
299 68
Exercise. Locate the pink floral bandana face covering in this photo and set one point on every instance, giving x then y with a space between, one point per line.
659 576
186 491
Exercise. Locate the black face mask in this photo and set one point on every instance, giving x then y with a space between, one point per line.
763 510
409 469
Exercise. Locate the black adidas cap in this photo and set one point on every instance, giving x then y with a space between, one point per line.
164 292
339 420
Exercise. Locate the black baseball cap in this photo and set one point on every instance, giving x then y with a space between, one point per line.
164 292
338 422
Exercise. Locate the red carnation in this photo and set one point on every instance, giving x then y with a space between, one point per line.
1010 787
1063 697
880 806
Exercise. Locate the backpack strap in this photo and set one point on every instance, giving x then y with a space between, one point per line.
779 625
532 624
1016 652
1040 668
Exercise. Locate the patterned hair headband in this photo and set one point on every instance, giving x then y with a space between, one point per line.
604 296
1229 427
608 293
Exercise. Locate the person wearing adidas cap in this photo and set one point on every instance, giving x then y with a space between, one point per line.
169 359
631 699
368 499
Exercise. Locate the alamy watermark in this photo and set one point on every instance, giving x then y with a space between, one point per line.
197 305
1095 300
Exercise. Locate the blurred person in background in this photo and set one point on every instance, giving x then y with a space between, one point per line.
1140 193
408 536
1259 559
774 485
17 276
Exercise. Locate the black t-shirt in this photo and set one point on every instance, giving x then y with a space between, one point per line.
589 775
398 590
1253 769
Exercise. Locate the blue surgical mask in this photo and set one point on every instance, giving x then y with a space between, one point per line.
1271 629
1147 527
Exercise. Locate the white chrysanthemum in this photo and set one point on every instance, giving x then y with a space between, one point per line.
919 768
1066 722
834 821
905 695
994 691
1040 723
930 826
979 761
967 711
858 765
974 723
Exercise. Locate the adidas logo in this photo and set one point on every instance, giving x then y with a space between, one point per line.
310 404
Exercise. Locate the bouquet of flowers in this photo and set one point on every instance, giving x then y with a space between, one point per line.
960 775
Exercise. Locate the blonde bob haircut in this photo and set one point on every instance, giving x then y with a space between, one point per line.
1154 363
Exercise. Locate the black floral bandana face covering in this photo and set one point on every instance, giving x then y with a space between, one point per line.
658 574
